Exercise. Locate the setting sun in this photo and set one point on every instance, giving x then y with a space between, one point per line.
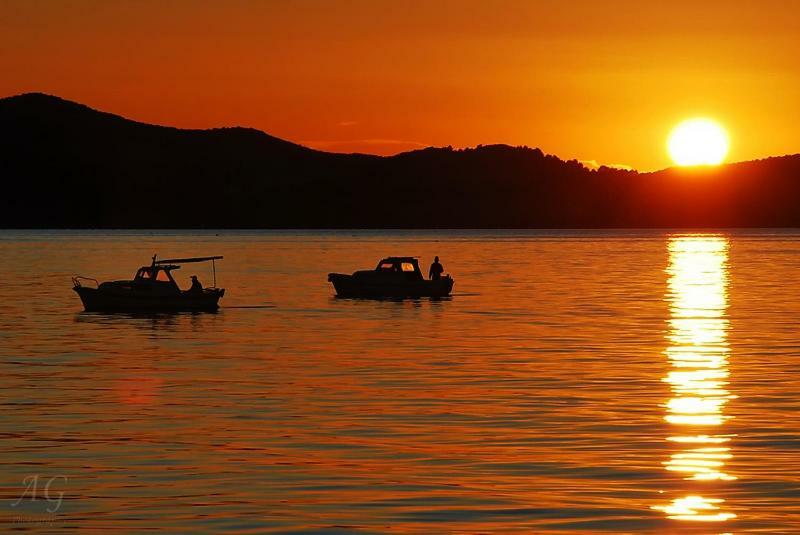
698 142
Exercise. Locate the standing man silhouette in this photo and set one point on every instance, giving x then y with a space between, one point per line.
436 270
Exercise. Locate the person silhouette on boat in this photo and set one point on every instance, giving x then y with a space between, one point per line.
196 286
436 270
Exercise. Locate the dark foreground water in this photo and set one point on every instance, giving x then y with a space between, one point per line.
596 382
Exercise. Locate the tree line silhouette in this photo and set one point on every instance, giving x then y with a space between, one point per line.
65 165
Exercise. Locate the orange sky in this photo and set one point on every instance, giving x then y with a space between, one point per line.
576 78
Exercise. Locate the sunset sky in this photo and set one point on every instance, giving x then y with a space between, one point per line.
602 81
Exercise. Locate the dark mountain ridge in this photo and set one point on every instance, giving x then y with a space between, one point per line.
65 165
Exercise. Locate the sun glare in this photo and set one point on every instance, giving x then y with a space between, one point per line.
698 142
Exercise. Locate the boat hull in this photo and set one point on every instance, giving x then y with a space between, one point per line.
100 300
352 286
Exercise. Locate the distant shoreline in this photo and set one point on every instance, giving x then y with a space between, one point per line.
631 230
67 166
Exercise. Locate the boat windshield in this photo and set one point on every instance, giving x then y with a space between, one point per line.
407 266
161 275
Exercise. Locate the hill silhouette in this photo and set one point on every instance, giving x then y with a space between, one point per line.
65 165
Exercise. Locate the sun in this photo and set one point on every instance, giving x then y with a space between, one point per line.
698 141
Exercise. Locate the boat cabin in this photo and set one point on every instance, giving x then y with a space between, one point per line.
158 276
407 265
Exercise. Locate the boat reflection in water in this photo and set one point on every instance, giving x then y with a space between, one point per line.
698 354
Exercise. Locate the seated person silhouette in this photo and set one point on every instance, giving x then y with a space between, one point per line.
436 270
196 286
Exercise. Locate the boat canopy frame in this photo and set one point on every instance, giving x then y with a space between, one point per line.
171 263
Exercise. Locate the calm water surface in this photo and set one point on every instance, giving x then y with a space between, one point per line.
594 382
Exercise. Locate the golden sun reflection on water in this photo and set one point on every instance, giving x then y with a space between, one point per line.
698 353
